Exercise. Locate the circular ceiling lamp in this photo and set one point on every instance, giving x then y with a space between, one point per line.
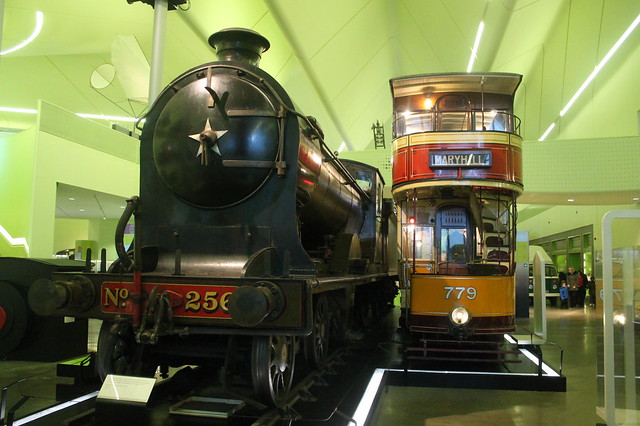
102 76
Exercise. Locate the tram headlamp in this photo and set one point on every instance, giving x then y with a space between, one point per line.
459 315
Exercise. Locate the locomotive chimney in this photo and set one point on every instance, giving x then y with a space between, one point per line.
239 44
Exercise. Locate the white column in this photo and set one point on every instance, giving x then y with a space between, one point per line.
157 50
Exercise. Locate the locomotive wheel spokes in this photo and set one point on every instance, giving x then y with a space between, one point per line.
120 354
272 367
317 343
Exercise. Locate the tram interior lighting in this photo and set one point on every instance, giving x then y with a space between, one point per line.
427 103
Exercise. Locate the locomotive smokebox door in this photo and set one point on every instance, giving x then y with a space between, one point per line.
222 154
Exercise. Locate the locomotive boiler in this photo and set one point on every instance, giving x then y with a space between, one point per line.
457 173
251 238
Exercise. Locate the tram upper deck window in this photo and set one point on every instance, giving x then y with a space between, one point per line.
457 112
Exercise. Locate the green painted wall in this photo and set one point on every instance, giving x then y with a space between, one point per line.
582 165
67 231
16 188
61 148
558 219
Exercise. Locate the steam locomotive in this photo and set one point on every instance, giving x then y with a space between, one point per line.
252 240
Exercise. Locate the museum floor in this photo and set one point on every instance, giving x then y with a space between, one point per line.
577 331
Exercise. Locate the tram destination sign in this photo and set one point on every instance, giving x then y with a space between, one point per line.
442 159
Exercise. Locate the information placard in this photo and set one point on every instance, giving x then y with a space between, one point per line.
127 388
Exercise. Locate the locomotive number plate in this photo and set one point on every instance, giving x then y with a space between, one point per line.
187 301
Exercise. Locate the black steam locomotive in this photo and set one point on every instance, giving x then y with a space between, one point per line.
251 239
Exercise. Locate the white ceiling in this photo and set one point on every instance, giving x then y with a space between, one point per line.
73 202
334 57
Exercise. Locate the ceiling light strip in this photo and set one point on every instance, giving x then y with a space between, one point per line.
595 72
602 63
79 114
546 133
34 34
107 117
474 51
19 110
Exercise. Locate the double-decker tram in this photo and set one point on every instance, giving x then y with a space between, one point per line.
457 172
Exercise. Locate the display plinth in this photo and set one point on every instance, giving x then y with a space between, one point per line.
123 397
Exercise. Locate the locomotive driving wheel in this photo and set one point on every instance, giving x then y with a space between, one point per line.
118 352
14 318
316 345
272 367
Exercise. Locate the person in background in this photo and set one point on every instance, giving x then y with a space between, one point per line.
582 288
572 283
564 296
562 276
592 291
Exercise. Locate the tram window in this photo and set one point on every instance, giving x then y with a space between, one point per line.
499 121
453 243
423 242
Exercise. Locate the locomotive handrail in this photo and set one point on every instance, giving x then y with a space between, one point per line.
123 256
323 146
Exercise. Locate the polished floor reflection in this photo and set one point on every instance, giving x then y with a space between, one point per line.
577 331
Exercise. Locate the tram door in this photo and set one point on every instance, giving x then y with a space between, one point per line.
453 240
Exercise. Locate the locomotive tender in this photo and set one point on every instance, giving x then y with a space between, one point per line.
457 172
251 238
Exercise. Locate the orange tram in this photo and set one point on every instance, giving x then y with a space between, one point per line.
457 172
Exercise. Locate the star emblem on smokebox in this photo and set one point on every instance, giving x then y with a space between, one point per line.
208 138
